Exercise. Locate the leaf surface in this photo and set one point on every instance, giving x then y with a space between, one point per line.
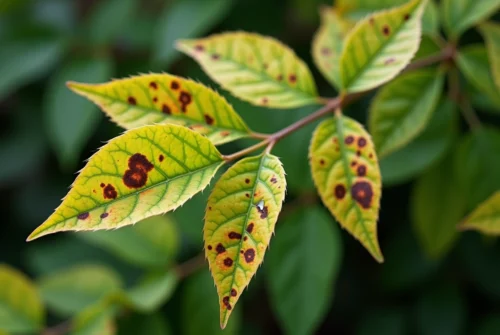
328 43
242 211
95 320
491 35
302 267
345 171
21 309
153 291
460 15
144 172
380 46
486 217
254 68
164 98
109 19
402 109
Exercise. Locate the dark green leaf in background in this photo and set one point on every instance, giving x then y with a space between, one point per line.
153 290
489 325
383 322
147 324
459 15
95 320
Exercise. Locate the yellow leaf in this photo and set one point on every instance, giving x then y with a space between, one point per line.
144 172
257 69
164 98
328 43
486 217
241 214
346 173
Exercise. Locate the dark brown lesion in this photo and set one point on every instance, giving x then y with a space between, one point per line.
209 120
132 101
339 191
199 48
153 85
215 56
263 211
274 180
109 192
406 17
361 170
174 85
362 142
225 133
362 192
225 302
250 227
247 181
386 30
325 51
249 255
185 99
161 158
349 139
137 174
83 216
165 109
228 262
234 235
104 215
220 248
234 293
209 247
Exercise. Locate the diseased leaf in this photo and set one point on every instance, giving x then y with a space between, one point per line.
142 173
491 35
328 43
71 290
254 68
486 217
436 207
164 98
152 242
95 320
401 109
380 46
21 309
153 291
345 171
425 150
241 214
473 62
301 268
459 16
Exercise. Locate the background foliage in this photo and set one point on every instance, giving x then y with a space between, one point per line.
315 277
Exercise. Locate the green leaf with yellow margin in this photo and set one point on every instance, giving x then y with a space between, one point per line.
345 171
21 309
144 172
459 15
255 68
400 112
241 214
486 217
328 43
164 98
380 46
491 35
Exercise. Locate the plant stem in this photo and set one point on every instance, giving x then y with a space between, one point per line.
463 103
190 266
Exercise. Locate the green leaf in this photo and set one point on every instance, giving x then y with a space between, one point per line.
328 42
70 121
491 35
425 150
345 171
153 291
486 217
144 172
148 324
441 310
95 320
25 60
430 19
152 242
380 46
242 211
202 318
436 207
21 310
71 290
473 62
459 16
164 98
477 164
400 112
185 19
383 322
301 269
254 68
109 19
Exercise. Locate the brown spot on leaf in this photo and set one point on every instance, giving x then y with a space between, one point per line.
208 119
274 180
224 133
220 248
250 228
263 212
265 101
155 99
406 17
249 255
247 181
153 85
339 191
165 109
372 20
325 51
199 47
386 30
161 158
234 235
137 174
215 56
353 163
362 192
292 78
247 195
104 215
139 162
185 99
233 292
389 61
109 192
245 238
209 247
83 216
102 185
132 101
358 153
349 139
321 162
370 155
226 303
228 262
361 142
174 85
361 170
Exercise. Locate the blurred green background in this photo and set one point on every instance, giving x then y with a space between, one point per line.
315 278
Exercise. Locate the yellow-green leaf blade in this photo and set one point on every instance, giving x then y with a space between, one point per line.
402 109
164 98
345 170
255 68
241 214
491 35
486 217
328 43
21 309
380 46
144 172
458 16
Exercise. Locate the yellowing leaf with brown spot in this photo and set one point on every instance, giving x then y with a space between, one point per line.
255 68
486 217
345 171
164 98
144 172
241 214
328 43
